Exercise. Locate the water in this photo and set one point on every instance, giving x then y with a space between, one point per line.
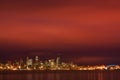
60 75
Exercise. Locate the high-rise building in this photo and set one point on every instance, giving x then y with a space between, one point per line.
57 61
36 59
29 63
36 64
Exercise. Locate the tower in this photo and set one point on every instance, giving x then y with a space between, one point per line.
29 62
36 64
36 58
57 61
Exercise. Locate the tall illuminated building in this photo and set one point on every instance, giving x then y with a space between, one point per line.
29 62
36 59
57 61
36 64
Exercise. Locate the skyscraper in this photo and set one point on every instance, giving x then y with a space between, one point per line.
57 61
29 62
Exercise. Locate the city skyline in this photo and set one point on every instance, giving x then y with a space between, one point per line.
36 64
85 32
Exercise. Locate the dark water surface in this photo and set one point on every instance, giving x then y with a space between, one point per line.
59 75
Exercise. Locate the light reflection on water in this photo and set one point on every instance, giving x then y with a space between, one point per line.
61 75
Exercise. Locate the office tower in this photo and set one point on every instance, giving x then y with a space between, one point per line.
36 64
36 60
57 61
29 63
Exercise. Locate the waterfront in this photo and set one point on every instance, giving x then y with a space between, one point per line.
51 64
60 75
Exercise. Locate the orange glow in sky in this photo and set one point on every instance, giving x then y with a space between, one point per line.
59 24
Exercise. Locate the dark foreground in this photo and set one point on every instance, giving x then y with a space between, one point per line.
60 75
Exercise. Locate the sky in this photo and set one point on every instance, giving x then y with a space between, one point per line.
81 31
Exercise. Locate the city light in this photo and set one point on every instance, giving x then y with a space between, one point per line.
51 64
